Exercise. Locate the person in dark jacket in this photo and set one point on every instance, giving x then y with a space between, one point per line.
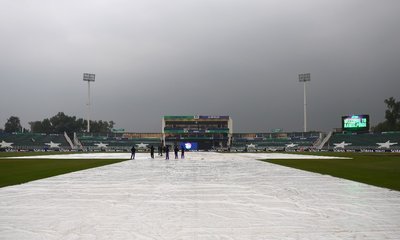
183 152
151 151
160 150
176 150
133 151
166 152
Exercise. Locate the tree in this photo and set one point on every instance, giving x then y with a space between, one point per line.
63 123
13 124
392 115
101 126
36 127
41 126
46 125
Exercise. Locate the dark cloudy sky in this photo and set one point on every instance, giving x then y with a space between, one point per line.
199 57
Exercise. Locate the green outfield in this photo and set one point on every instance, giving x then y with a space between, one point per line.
378 169
17 171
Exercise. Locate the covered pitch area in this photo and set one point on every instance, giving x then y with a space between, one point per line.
206 196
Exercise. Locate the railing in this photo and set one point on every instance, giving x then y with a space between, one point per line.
326 139
68 140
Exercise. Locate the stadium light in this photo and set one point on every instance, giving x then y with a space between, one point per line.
88 77
304 78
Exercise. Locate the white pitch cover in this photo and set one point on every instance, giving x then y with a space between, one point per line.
205 196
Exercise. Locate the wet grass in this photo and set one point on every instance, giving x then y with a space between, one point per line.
17 171
378 169
20 154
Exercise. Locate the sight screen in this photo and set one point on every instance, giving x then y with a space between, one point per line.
189 146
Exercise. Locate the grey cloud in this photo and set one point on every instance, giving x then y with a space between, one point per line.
238 58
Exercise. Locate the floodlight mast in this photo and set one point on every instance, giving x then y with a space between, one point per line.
304 78
88 77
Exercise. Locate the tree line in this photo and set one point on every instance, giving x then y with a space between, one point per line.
392 116
59 123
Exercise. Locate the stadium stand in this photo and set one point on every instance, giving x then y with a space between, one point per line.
240 141
277 141
364 140
34 141
117 141
261 141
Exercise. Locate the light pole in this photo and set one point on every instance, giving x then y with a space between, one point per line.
304 78
88 77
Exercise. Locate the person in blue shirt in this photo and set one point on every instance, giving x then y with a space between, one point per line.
183 152
166 152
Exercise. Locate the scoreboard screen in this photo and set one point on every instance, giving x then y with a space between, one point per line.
355 123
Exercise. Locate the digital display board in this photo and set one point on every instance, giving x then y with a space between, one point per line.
355 123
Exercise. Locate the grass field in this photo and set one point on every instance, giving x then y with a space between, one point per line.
378 169
17 171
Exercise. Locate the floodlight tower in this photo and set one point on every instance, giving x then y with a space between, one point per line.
88 77
304 78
